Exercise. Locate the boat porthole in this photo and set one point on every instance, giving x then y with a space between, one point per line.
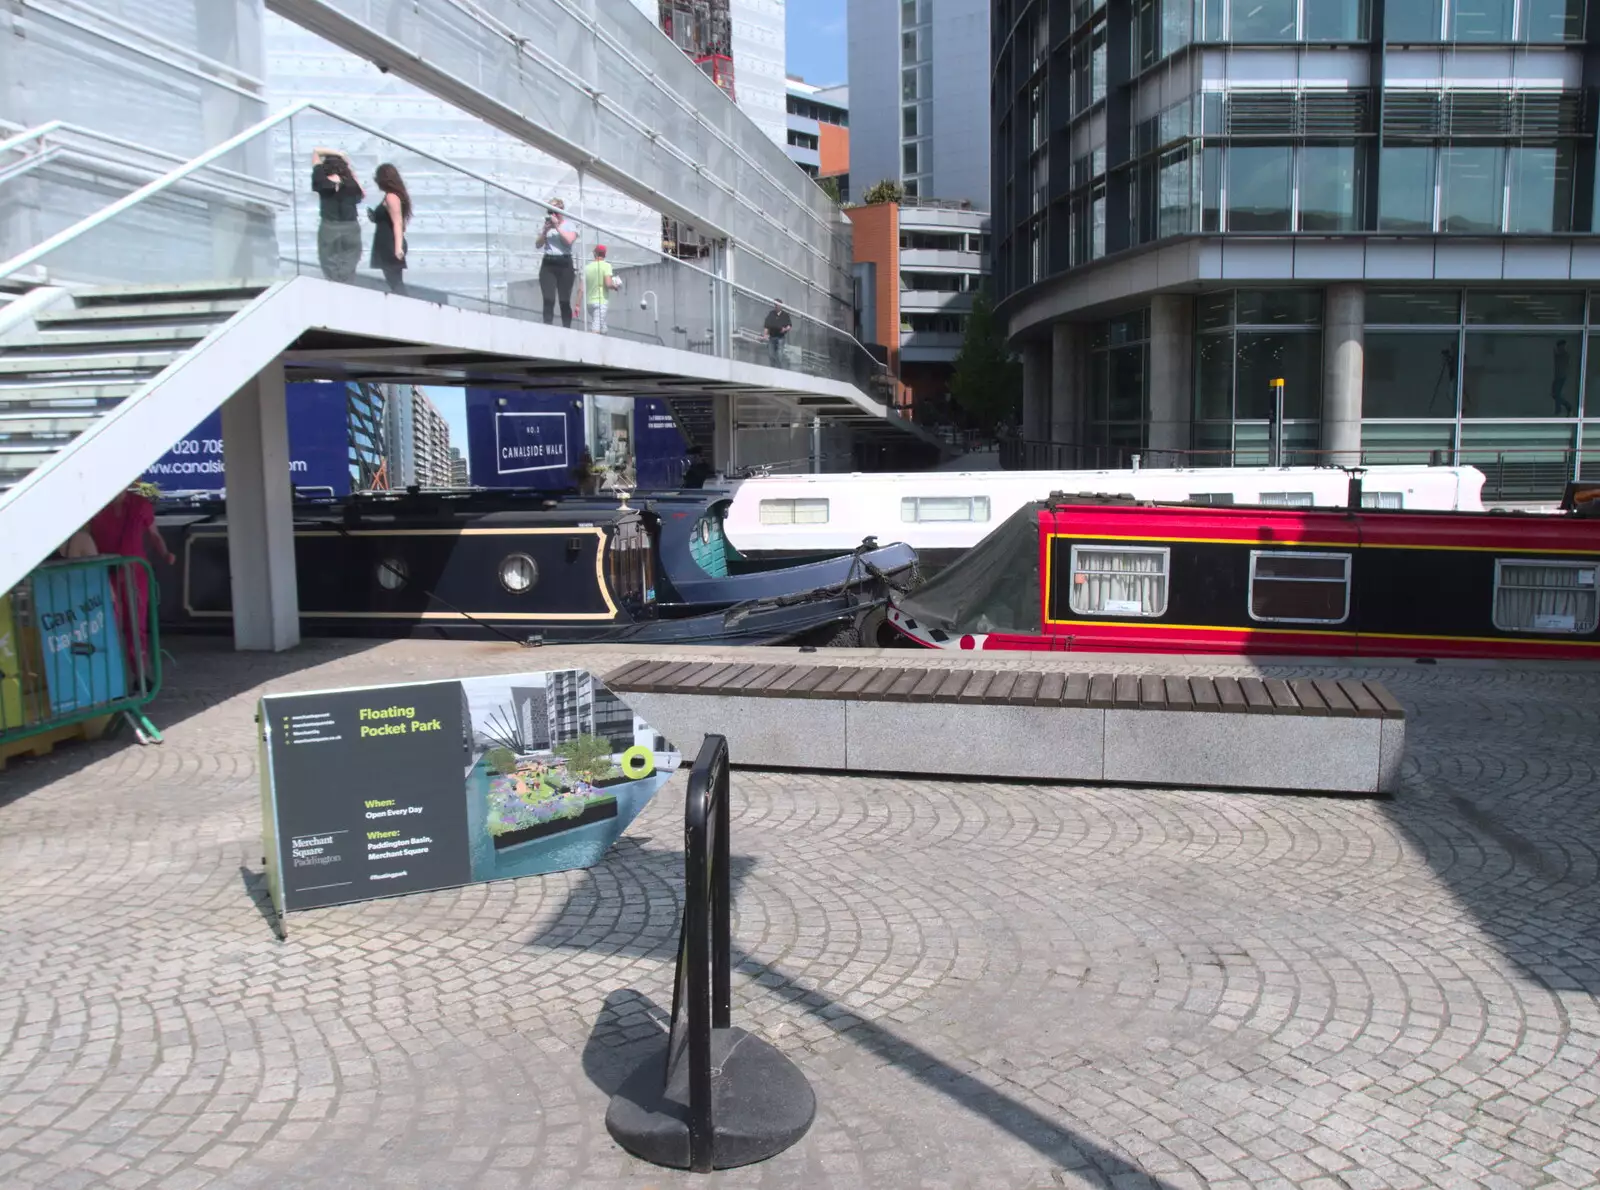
638 762
392 574
518 573
705 532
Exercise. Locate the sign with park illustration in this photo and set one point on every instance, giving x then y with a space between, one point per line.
396 789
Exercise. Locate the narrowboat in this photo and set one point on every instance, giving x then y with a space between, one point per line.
522 565
944 514
1141 577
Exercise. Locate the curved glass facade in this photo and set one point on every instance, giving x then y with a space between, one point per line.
1259 179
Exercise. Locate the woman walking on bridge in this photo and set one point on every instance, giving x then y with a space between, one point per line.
557 272
392 216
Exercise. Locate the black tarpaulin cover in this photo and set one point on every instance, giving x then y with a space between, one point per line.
994 587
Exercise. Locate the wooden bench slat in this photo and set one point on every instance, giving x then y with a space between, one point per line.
785 682
1178 696
644 677
1125 690
710 680
626 673
834 685
1230 697
1338 702
904 684
1000 689
878 688
860 678
1205 694
1026 689
1152 692
1076 691
1390 704
674 678
766 682
734 682
806 687
1311 703
1050 688
1366 706
924 690
977 687
1256 696
954 683
747 678
1283 699
1102 691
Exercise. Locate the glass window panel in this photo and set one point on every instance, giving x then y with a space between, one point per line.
1541 189
1214 392
1099 385
927 509
908 84
1409 375
1405 189
1215 310
1115 581
1176 26
1520 374
910 126
1175 194
1412 20
1330 180
1295 358
908 13
1214 13
1531 308
1274 307
1421 306
1262 20
793 512
1552 20
1480 20
1591 406
910 155
1127 394
1471 188
1303 588
1538 595
1211 190
1259 180
1335 20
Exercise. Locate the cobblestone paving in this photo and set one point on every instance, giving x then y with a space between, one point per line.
1000 985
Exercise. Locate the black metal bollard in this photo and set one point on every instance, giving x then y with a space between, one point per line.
714 1097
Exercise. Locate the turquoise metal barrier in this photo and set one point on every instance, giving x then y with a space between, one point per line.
79 641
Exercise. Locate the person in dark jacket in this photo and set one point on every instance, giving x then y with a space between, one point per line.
339 233
777 327
698 471
392 217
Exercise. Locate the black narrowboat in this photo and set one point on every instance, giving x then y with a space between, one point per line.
522 565
1103 576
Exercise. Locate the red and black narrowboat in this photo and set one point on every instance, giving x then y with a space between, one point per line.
1129 577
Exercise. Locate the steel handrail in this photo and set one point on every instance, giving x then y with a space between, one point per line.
32 255
120 143
28 134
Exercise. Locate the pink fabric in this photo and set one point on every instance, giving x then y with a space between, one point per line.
123 527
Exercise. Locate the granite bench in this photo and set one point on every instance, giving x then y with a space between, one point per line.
1133 729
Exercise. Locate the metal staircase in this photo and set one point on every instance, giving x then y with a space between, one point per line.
86 353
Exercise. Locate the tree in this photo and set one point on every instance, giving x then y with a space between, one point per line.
887 190
987 382
830 187
587 756
500 760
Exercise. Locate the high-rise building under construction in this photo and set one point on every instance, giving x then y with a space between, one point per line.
703 30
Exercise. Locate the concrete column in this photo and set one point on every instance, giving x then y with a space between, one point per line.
1067 391
1343 337
1036 389
1171 375
255 444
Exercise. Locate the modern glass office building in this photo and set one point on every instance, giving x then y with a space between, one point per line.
1388 205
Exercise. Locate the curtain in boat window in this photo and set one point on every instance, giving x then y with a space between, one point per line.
1545 596
1118 582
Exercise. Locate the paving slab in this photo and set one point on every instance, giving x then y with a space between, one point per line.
988 984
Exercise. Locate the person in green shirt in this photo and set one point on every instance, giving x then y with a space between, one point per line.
598 282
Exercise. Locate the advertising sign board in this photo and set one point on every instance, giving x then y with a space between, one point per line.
399 789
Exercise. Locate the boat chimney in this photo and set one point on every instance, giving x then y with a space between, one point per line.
1136 464
1353 500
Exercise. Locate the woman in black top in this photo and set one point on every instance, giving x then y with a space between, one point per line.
556 272
338 235
391 215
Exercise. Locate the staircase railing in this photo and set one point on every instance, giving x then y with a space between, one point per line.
165 232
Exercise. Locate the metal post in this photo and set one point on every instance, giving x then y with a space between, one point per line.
1275 431
816 445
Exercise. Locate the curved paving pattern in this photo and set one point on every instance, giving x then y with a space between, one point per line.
989 985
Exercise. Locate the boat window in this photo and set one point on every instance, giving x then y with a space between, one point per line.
1222 498
1119 581
925 509
632 569
1296 588
1289 499
392 573
1383 500
794 512
1540 596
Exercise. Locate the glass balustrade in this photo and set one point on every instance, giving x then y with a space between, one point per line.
471 243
